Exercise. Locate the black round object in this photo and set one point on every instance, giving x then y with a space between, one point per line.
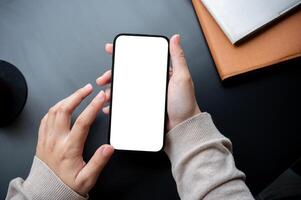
13 92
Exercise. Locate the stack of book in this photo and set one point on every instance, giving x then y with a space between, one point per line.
276 43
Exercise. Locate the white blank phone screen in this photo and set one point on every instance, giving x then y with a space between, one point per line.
139 93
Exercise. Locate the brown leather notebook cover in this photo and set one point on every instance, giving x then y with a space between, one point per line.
277 43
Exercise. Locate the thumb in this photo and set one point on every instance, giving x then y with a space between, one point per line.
87 177
179 65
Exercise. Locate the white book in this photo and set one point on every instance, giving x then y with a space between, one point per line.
240 18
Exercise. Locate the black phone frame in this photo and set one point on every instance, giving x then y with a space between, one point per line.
166 90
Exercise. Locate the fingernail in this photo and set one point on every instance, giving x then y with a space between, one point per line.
107 46
178 38
98 80
101 95
106 109
108 91
107 151
88 86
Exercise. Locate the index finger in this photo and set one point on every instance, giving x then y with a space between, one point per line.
71 102
68 105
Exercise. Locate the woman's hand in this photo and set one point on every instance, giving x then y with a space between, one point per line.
60 145
181 98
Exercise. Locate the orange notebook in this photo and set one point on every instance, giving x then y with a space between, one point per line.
277 43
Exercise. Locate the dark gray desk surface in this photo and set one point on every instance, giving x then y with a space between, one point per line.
59 46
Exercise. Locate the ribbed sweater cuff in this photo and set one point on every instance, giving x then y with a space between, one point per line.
189 134
43 183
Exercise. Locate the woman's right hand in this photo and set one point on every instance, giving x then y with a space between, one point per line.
181 104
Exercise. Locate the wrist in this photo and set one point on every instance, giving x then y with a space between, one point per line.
173 122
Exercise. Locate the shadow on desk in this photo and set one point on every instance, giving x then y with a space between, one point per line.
287 186
266 72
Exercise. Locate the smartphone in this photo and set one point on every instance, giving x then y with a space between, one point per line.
139 92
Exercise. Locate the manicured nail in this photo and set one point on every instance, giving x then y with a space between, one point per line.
101 95
107 151
88 86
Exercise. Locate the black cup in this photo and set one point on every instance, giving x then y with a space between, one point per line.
13 92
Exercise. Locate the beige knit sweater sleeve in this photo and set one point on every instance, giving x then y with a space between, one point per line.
41 183
202 165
